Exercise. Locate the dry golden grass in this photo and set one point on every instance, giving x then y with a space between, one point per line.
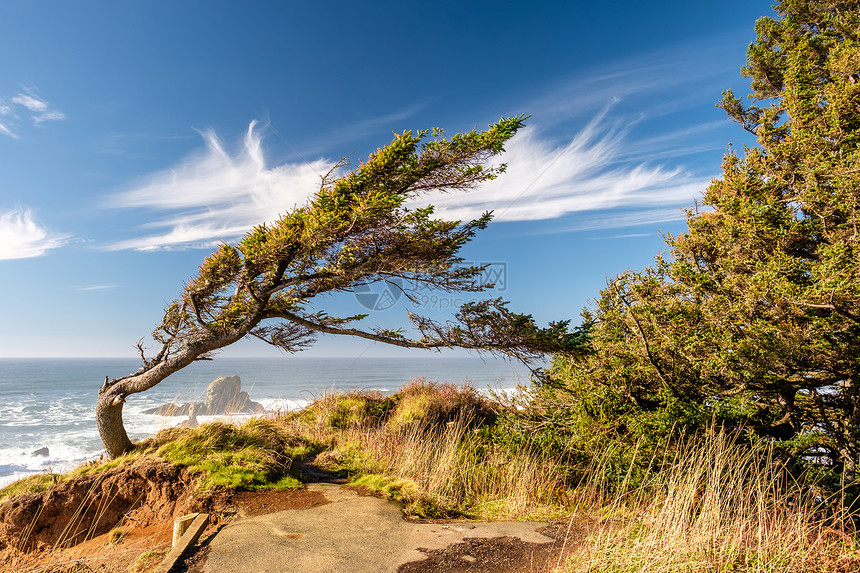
713 506
425 449
455 472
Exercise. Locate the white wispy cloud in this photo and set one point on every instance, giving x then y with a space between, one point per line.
50 115
30 102
627 219
604 150
21 237
7 130
26 103
96 287
215 195
546 181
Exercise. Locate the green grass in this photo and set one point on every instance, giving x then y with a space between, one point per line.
254 455
396 489
30 484
709 504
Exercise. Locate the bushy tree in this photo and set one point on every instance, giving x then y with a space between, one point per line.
753 316
355 231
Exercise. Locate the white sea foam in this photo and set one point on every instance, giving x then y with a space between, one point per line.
51 403
276 405
16 463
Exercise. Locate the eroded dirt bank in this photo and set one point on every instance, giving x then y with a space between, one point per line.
88 506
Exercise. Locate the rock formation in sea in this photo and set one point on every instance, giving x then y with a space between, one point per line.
223 396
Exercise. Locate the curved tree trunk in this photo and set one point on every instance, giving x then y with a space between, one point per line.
109 419
113 393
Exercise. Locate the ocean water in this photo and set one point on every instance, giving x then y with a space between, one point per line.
50 403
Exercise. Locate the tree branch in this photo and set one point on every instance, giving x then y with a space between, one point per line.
403 342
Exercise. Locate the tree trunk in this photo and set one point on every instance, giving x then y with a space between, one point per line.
113 393
109 419
852 426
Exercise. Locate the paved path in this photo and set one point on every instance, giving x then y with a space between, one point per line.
353 534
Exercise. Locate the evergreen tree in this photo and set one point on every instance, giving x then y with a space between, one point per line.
355 231
754 314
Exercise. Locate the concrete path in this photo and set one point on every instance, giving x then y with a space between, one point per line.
353 534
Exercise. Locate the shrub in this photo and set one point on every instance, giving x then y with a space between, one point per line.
427 404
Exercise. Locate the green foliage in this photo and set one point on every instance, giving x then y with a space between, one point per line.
255 455
428 404
753 317
30 484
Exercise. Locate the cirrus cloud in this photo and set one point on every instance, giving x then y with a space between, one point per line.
21 237
26 103
546 180
214 196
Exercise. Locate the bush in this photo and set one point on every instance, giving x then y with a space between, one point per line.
350 410
252 455
428 404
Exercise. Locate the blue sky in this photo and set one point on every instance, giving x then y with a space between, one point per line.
134 136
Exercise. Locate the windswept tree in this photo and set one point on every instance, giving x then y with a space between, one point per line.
356 230
755 314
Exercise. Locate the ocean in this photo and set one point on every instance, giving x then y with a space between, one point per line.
50 402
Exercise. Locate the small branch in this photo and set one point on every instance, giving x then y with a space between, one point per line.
196 310
649 354
403 342
831 306
140 350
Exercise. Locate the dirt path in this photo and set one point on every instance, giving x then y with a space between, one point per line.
354 533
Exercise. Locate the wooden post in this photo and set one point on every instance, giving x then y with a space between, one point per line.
189 538
180 525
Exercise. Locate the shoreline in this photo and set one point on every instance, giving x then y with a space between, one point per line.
52 403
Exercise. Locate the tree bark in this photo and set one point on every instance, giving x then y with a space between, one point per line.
113 393
109 419
852 424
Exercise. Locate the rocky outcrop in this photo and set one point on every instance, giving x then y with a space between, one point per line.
223 396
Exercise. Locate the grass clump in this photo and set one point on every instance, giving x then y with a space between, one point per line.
99 465
713 505
116 536
427 404
147 561
349 410
396 489
30 484
256 454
